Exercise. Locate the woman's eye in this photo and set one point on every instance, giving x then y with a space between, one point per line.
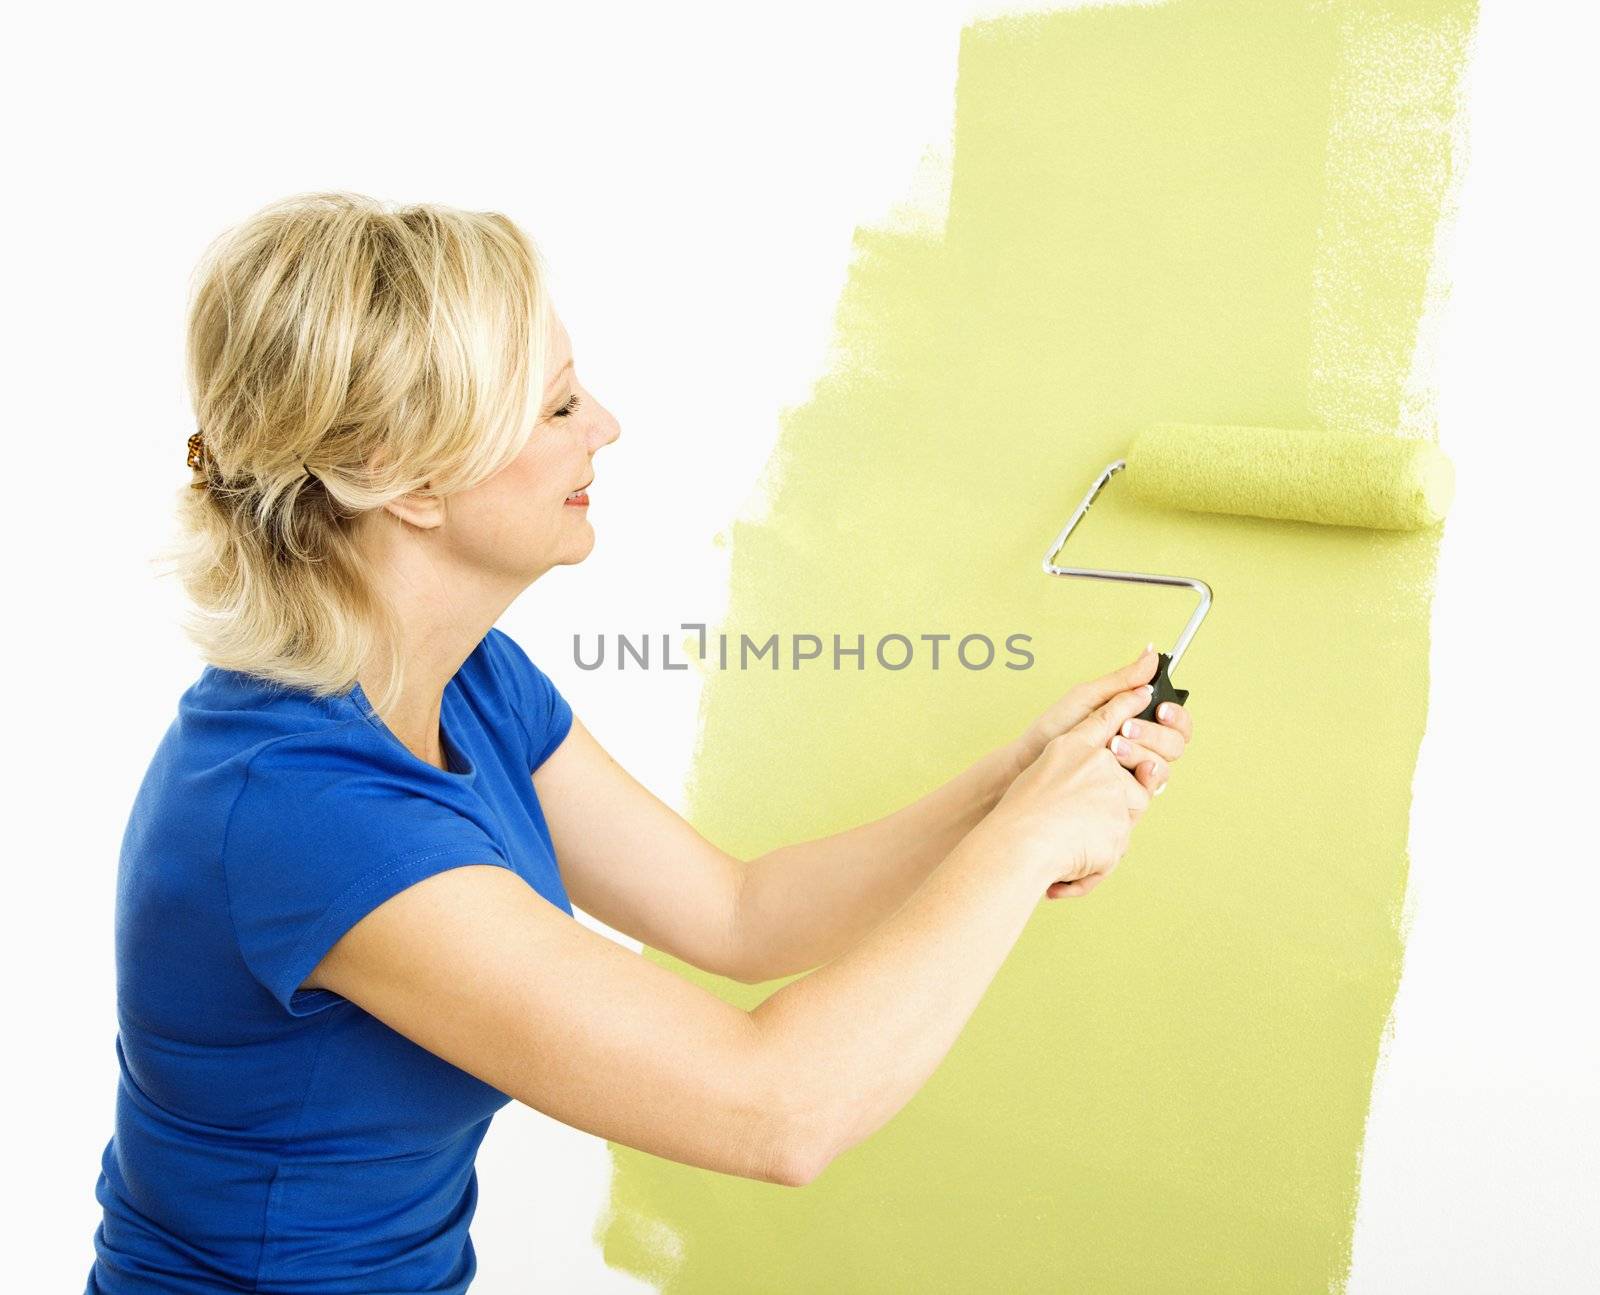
570 408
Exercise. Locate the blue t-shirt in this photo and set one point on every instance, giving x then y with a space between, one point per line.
273 1139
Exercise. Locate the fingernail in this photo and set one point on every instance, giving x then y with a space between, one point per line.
1119 748
1149 647
1159 789
1129 729
1149 691
1164 711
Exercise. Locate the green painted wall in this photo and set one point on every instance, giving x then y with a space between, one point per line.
1216 211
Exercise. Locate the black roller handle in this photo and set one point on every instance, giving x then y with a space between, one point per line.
1162 689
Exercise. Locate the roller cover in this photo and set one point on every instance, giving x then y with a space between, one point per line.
1332 477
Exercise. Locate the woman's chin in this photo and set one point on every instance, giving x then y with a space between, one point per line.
580 545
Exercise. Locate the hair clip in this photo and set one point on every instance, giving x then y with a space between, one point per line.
197 458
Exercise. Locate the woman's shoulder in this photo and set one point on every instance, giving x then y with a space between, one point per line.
229 714
247 748
521 694
501 658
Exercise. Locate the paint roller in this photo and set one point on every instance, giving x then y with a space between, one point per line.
1332 478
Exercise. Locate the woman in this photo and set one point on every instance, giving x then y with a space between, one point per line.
343 940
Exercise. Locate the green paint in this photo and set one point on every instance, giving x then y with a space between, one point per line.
1205 212
1315 474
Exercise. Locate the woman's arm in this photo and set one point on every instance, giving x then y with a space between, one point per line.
631 860
478 968
800 905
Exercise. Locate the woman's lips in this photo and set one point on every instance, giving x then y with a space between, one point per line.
578 499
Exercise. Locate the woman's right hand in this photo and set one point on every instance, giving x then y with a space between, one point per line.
1073 809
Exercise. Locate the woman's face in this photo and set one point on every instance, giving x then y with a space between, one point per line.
523 520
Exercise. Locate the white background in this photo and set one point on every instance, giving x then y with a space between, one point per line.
694 179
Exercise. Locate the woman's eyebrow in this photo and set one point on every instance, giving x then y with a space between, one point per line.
557 374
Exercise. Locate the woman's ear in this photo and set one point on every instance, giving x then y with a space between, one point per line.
419 509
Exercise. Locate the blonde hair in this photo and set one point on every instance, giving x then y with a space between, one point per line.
342 353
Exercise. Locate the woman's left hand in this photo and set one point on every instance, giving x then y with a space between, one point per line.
1148 749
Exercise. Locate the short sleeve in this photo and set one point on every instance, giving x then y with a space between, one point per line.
544 712
320 835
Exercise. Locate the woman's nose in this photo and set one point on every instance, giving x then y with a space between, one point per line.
605 429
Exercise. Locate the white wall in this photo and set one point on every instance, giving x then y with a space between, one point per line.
694 180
